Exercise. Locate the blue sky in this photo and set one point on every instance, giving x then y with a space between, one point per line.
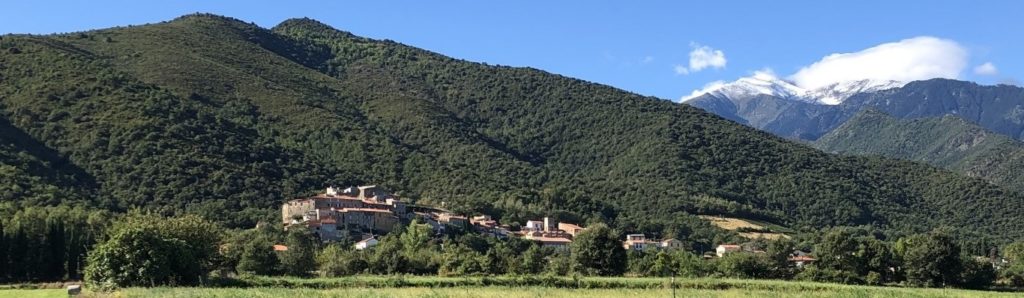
641 47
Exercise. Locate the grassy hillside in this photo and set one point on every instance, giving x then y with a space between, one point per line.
948 142
212 115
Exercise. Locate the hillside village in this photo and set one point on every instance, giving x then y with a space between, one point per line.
364 212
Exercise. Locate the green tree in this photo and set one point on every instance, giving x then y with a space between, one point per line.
459 259
977 274
258 257
387 256
559 263
743 265
597 250
664 265
1014 271
533 260
145 250
336 260
779 252
300 258
137 257
690 264
932 259
639 262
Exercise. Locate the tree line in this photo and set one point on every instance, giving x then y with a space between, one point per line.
142 249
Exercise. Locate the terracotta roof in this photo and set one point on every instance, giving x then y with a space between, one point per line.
549 239
336 197
730 246
568 226
364 210
278 247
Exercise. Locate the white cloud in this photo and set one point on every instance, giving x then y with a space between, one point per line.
702 57
911 59
702 90
987 69
766 74
681 69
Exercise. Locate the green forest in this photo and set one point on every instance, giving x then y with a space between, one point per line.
949 142
215 117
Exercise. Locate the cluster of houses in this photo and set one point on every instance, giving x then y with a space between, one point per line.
335 213
366 211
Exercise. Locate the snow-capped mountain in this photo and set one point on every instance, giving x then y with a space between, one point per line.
782 108
836 93
762 83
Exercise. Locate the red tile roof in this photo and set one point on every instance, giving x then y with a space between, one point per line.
544 239
364 210
278 247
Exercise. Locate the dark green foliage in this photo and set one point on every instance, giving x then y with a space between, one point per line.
949 142
932 259
856 253
257 256
598 250
144 250
744 265
300 258
337 260
532 262
39 244
1014 271
977 274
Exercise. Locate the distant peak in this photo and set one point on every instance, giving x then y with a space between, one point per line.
766 83
206 16
304 22
307 25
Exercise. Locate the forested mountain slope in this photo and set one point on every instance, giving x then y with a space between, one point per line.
216 116
947 141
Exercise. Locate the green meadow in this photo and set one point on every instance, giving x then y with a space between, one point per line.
590 287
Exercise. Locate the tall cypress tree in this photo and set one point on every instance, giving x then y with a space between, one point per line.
16 257
4 265
55 246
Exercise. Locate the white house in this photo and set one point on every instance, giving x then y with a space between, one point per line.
723 249
636 242
366 243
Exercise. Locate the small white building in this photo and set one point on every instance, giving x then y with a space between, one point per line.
534 225
670 244
366 243
723 249
637 242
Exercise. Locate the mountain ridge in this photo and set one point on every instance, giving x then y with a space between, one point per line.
764 83
948 141
205 114
999 108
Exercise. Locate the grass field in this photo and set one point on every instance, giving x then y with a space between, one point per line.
733 224
590 287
